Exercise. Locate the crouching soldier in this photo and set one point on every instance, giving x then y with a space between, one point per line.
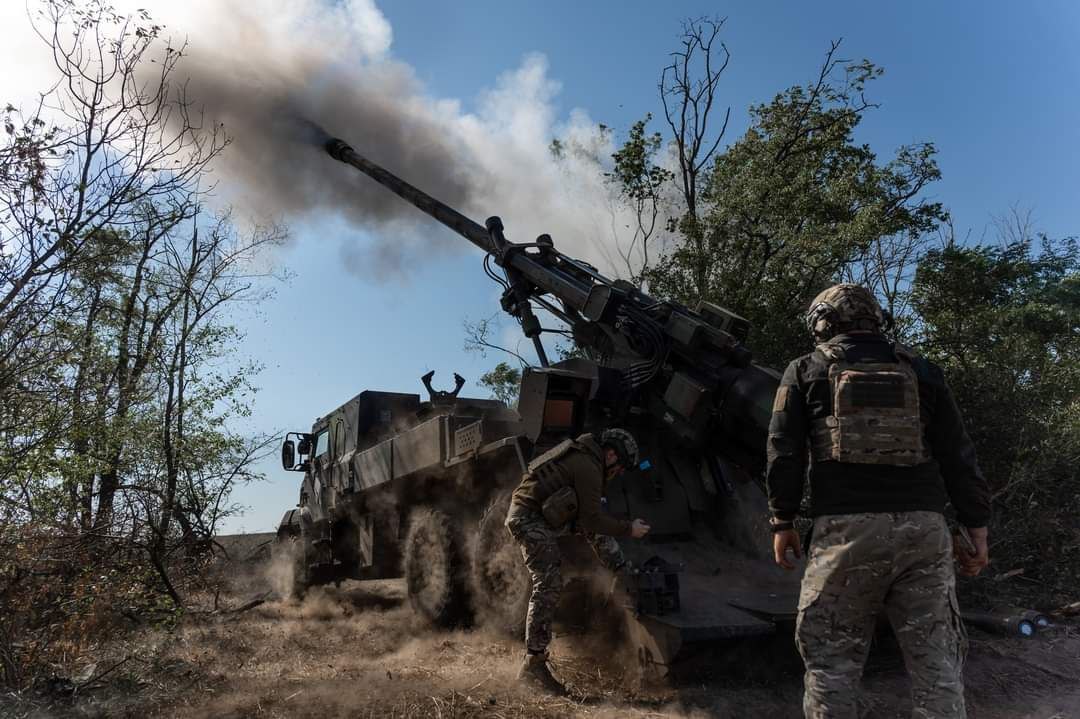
563 486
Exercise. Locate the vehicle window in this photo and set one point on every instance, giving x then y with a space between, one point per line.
322 443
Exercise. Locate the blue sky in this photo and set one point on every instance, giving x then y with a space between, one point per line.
994 85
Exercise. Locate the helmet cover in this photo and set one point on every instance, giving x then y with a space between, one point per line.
624 444
844 308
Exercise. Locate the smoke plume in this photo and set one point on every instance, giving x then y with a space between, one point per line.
265 69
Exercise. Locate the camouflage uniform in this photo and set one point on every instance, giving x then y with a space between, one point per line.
579 465
540 548
886 449
860 565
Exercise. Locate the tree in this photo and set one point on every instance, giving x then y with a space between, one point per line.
795 203
1004 323
111 153
640 182
688 88
504 382
119 376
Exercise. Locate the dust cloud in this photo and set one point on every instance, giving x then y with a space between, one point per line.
360 650
279 573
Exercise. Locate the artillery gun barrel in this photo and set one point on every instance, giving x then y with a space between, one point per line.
568 288
470 230
708 387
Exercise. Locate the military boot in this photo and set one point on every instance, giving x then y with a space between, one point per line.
534 672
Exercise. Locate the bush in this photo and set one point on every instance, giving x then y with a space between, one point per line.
61 594
1004 322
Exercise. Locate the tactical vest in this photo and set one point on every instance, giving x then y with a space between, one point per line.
549 474
875 412
553 482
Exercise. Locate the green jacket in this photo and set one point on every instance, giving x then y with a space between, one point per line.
579 464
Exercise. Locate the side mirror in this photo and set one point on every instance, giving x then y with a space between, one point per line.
288 454
304 447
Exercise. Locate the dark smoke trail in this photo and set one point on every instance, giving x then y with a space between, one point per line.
278 104
278 76
311 132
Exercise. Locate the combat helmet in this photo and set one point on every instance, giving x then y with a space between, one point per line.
844 308
623 443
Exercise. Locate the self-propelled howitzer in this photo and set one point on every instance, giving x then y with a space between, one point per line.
395 486
688 369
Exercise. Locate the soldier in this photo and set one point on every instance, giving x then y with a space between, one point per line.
887 448
565 485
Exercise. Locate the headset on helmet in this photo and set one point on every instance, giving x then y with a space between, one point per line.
623 443
844 308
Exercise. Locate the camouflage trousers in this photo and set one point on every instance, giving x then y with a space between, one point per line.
540 549
860 565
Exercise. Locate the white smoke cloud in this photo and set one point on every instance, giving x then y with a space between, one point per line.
260 66
25 58
369 27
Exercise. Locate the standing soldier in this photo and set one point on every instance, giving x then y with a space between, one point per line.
887 448
565 485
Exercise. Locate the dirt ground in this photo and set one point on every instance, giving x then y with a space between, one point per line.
358 650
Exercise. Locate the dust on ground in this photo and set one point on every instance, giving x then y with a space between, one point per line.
359 650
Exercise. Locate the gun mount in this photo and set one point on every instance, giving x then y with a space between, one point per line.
388 478
689 369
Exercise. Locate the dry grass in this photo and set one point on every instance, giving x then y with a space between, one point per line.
359 651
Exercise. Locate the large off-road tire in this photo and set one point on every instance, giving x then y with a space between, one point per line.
436 568
500 580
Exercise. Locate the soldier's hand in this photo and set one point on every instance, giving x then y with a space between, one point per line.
782 542
972 564
638 529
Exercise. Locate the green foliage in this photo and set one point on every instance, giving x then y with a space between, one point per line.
635 168
640 183
791 204
504 382
119 374
1004 322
